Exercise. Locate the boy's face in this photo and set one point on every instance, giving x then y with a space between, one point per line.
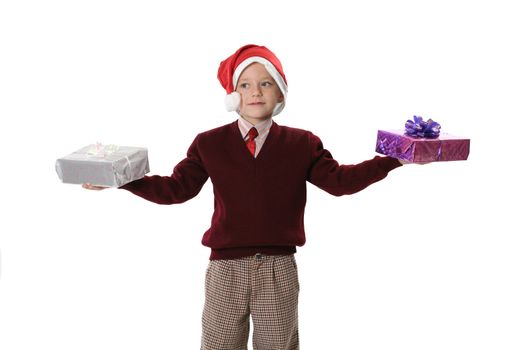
259 93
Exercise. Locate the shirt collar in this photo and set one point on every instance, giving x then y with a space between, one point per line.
261 127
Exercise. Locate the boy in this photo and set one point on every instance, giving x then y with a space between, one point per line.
259 171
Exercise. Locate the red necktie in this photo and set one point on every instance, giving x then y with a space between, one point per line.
250 143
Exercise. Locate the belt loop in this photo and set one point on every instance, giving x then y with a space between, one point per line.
257 261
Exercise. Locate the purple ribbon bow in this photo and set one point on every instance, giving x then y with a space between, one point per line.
420 128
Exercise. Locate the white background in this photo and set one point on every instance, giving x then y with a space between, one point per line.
430 258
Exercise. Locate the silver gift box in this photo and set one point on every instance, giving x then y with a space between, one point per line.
103 165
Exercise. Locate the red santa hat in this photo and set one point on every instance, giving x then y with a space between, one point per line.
231 68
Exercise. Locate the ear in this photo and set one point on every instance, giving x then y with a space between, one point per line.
280 98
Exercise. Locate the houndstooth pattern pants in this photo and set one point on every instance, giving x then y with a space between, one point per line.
265 286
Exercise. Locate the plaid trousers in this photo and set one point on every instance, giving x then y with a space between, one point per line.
265 286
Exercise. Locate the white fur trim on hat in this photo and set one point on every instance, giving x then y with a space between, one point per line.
278 108
232 101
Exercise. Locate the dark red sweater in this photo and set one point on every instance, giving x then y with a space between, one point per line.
259 202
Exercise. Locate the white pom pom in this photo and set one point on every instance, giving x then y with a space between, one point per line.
232 101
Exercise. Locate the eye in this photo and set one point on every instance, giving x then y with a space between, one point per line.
243 85
266 84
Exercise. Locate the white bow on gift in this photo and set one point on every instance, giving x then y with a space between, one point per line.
102 151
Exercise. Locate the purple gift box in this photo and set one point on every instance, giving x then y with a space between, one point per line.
397 144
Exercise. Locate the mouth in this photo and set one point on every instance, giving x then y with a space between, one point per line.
256 103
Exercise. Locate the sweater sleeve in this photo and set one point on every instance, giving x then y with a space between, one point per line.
187 180
327 174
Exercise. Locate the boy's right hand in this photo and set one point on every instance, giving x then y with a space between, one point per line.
89 186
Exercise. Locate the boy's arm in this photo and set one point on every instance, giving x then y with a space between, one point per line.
185 183
327 174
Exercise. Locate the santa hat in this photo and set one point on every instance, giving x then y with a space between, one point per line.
231 68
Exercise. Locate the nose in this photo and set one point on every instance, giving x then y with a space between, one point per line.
256 91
